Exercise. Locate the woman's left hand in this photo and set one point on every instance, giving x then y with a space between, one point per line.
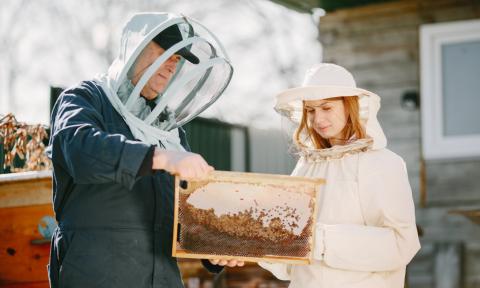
229 263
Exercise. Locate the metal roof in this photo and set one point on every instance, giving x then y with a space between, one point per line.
306 6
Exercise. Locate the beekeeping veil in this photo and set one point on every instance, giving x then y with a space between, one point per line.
324 81
201 75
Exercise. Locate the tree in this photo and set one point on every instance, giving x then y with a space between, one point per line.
270 47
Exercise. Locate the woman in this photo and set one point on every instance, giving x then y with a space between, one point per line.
365 233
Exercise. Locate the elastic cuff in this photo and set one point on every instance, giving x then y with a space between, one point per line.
132 157
146 167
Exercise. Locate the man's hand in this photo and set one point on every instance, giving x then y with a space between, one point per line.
229 263
186 165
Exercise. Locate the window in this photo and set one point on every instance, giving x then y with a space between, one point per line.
450 89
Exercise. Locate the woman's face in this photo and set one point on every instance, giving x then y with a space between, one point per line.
327 117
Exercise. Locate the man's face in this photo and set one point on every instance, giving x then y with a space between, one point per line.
161 77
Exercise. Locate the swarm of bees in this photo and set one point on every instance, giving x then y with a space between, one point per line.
23 146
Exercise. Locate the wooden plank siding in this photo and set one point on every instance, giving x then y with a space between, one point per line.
379 44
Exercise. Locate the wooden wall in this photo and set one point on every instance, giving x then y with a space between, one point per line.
379 44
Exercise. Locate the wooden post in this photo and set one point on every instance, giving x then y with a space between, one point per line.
448 265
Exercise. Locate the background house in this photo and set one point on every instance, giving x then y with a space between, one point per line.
380 42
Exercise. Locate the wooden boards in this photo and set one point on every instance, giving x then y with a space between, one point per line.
25 206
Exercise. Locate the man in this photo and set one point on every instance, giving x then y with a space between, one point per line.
115 145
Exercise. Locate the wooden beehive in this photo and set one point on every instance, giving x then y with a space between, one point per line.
246 216
27 220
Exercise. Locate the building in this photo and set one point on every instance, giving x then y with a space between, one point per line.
390 47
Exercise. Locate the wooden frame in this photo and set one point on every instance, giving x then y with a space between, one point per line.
224 176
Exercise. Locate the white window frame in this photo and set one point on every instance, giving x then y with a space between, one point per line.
435 145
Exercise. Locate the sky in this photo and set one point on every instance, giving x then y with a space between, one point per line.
60 43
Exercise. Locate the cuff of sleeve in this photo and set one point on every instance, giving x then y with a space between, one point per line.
211 267
146 167
133 154
279 270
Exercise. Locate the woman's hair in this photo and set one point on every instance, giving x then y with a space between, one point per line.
353 126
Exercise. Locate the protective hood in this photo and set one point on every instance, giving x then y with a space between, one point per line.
201 75
324 81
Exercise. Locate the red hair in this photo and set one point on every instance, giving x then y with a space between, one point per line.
353 127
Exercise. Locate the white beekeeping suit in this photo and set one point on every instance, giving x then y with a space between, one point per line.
365 232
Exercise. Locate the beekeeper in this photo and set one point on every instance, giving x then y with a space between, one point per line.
115 143
365 232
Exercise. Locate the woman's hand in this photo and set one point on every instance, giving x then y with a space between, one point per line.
229 263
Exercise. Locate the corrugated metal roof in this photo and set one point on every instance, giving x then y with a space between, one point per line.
327 5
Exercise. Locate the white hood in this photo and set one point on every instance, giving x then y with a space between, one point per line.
193 88
325 81
137 33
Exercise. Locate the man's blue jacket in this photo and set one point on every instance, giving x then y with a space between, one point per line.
114 216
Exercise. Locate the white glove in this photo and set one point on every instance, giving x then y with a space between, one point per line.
186 165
